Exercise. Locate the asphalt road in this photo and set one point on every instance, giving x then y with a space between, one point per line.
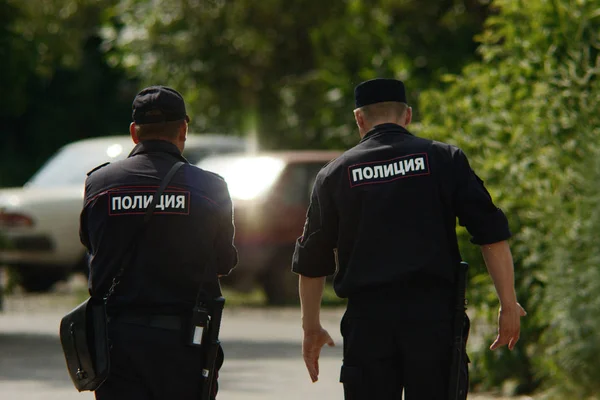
262 347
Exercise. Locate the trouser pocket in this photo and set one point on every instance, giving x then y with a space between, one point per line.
463 384
353 381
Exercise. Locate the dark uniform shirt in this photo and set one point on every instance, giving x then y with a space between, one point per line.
389 206
192 227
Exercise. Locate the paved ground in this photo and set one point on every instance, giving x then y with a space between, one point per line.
262 348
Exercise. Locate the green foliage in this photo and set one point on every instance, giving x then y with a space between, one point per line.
281 70
572 300
57 86
287 69
527 117
257 298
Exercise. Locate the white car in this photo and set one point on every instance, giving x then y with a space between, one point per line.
39 223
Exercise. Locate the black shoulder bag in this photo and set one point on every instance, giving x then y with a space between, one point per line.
83 331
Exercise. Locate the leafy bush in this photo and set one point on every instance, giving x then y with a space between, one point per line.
572 300
527 117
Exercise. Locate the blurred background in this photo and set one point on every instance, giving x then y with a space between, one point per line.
514 83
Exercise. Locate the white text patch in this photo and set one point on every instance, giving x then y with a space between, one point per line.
389 170
138 202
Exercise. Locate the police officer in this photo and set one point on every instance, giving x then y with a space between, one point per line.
386 212
188 239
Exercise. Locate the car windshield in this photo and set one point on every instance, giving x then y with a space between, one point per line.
248 177
71 163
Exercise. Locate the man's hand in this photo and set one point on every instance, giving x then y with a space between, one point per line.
509 326
311 349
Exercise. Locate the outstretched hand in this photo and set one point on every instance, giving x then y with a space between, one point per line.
311 350
509 327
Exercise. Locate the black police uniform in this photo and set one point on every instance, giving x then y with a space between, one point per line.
388 207
191 229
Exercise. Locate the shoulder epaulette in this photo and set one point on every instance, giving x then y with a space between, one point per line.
216 175
219 177
97 168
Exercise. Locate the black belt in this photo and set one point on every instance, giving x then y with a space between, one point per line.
170 322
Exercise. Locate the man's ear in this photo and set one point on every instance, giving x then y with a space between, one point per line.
408 119
360 119
133 133
183 131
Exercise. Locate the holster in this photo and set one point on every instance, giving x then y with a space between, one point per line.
459 374
211 348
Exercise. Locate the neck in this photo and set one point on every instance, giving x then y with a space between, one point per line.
363 132
384 121
370 127
176 143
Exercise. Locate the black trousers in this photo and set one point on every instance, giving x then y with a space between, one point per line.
150 363
384 357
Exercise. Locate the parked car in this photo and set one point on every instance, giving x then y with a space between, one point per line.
40 221
271 193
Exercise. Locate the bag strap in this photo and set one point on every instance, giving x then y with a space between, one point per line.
129 251
165 182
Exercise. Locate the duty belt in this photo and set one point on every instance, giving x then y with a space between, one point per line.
170 322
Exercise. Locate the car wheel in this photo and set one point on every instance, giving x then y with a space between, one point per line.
279 282
39 279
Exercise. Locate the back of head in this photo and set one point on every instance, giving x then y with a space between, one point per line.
389 111
159 113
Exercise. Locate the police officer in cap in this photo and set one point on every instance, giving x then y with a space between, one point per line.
188 239
386 212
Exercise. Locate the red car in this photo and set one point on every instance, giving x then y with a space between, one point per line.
271 193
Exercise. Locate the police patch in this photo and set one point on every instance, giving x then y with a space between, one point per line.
388 170
132 202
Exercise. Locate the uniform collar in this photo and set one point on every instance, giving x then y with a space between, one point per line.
156 146
385 128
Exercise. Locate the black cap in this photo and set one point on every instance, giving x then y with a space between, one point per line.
379 90
158 104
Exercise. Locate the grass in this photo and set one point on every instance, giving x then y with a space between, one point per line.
330 299
257 298
4 243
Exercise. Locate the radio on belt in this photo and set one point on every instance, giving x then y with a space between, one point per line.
199 326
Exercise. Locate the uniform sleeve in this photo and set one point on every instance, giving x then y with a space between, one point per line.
314 256
227 256
88 190
83 231
474 206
